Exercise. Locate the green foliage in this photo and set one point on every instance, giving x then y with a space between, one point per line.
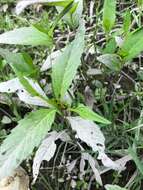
87 113
114 187
34 91
127 22
139 2
28 86
137 161
63 3
21 63
66 10
74 15
112 61
23 139
108 80
26 36
110 46
132 45
64 70
109 14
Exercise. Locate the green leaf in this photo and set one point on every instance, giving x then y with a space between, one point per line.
111 61
140 3
20 144
137 161
31 90
21 5
86 113
114 187
21 63
34 89
127 22
64 70
109 14
110 46
26 36
132 45
2 64
64 11
73 17
60 3
28 87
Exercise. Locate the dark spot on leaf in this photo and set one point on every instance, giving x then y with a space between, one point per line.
98 144
3 153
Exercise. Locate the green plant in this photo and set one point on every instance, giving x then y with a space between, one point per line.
114 187
31 130
95 67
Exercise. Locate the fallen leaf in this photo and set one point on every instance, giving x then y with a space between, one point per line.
91 134
88 132
89 97
93 164
18 180
47 150
15 86
107 162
